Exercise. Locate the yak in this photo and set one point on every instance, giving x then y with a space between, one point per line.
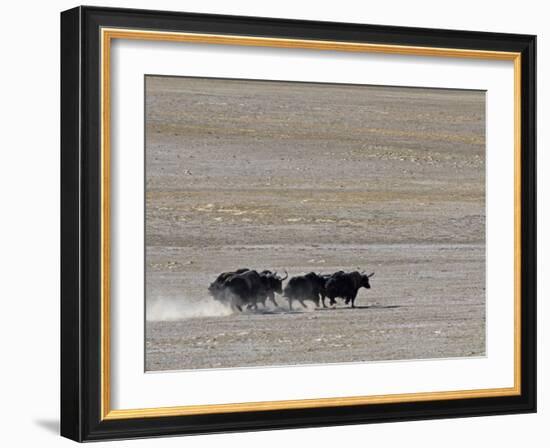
216 288
272 284
346 285
246 287
305 287
323 289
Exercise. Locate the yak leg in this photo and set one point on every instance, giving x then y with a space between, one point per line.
352 299
251 303
272 298
302 303
290 304
323 300
316 299
234 304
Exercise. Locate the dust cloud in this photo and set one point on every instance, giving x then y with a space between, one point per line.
173 309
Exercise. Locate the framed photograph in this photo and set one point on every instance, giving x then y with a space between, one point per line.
272 223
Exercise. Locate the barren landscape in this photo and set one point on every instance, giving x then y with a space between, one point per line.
313 177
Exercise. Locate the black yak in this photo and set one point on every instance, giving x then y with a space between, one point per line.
305 287
346 285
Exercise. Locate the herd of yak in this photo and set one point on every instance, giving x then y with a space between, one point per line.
246 288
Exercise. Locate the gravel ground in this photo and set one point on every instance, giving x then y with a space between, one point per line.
310 177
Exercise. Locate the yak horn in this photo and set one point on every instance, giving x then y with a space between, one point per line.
286 275
370 275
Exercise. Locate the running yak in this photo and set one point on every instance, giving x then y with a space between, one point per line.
246 288
345 285
309 287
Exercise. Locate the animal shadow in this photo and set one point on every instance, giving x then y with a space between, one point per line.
360 307
274 311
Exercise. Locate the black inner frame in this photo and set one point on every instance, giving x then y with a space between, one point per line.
80 224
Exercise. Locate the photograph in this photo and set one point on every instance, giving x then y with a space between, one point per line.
273 222
304 223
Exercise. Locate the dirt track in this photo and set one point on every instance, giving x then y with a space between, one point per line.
314 178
